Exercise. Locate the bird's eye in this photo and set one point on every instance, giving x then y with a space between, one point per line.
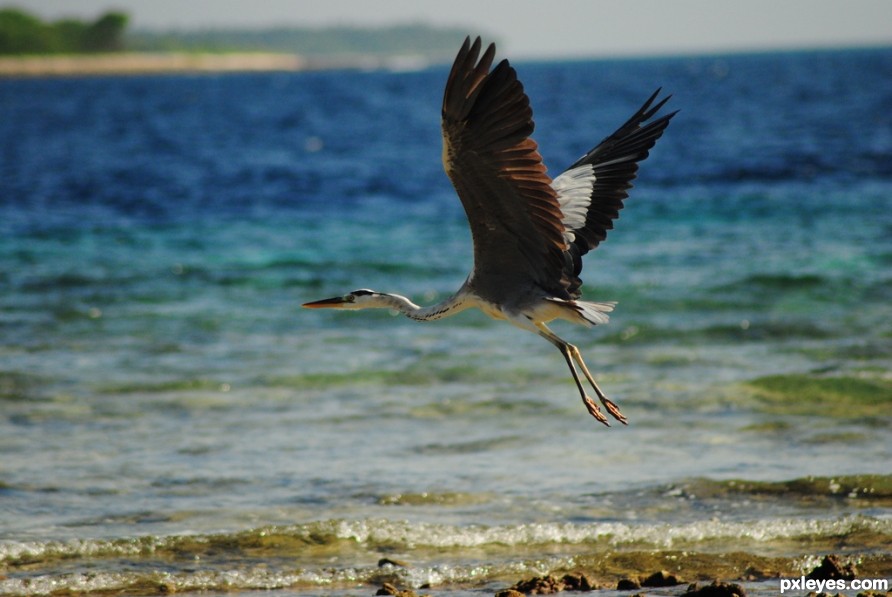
350 298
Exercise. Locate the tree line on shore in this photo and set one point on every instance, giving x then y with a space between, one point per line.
24 33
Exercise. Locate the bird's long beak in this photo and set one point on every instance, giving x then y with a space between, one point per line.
336 302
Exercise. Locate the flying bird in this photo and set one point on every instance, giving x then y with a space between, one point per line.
529 231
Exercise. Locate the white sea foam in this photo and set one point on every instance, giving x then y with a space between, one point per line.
614 534
430 546
373 534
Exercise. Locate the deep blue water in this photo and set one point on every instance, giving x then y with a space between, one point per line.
158 378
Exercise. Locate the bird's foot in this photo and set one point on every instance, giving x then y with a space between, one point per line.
595 411
613 409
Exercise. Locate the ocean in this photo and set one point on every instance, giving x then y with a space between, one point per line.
172 420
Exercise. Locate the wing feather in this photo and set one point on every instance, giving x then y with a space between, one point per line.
598 183
530 232
499 176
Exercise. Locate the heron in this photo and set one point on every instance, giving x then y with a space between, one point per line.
529 231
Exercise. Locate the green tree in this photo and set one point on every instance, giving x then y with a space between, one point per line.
69 35
106 34
22 33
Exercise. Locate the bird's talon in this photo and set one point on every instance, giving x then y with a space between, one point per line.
595 411
614 411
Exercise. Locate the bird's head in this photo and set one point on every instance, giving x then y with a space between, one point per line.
358 299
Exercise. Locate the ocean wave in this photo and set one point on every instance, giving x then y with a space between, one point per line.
607 534
257 577
786 281
343 553
844 396
871 489
375 535
741 330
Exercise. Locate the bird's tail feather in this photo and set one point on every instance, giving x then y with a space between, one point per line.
595 313
582 312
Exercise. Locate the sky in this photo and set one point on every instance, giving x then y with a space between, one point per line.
537 28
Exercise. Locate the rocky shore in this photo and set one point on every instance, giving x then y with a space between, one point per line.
831 568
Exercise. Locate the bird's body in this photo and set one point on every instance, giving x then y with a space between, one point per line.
529 231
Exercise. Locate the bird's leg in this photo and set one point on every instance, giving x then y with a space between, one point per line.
611 406
588 402
568 351
571 354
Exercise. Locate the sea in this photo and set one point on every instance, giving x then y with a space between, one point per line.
171 419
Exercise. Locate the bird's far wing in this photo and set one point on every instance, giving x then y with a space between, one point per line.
498 173
592 190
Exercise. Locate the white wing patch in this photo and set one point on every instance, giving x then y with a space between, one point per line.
574 195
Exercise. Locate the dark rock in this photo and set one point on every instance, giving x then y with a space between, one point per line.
628 584
716 589
540 585
831 569
578 581
509 593
389 589
753 573
546 585
661 579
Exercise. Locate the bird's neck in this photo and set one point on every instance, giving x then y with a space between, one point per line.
452 305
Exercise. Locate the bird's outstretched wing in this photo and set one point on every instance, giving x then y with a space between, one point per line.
592 190
495 166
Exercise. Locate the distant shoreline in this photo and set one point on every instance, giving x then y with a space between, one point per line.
187 62
138 63
146 63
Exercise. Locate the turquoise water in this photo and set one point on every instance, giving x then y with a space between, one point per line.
170 416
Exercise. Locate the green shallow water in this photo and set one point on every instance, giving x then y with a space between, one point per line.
831 396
